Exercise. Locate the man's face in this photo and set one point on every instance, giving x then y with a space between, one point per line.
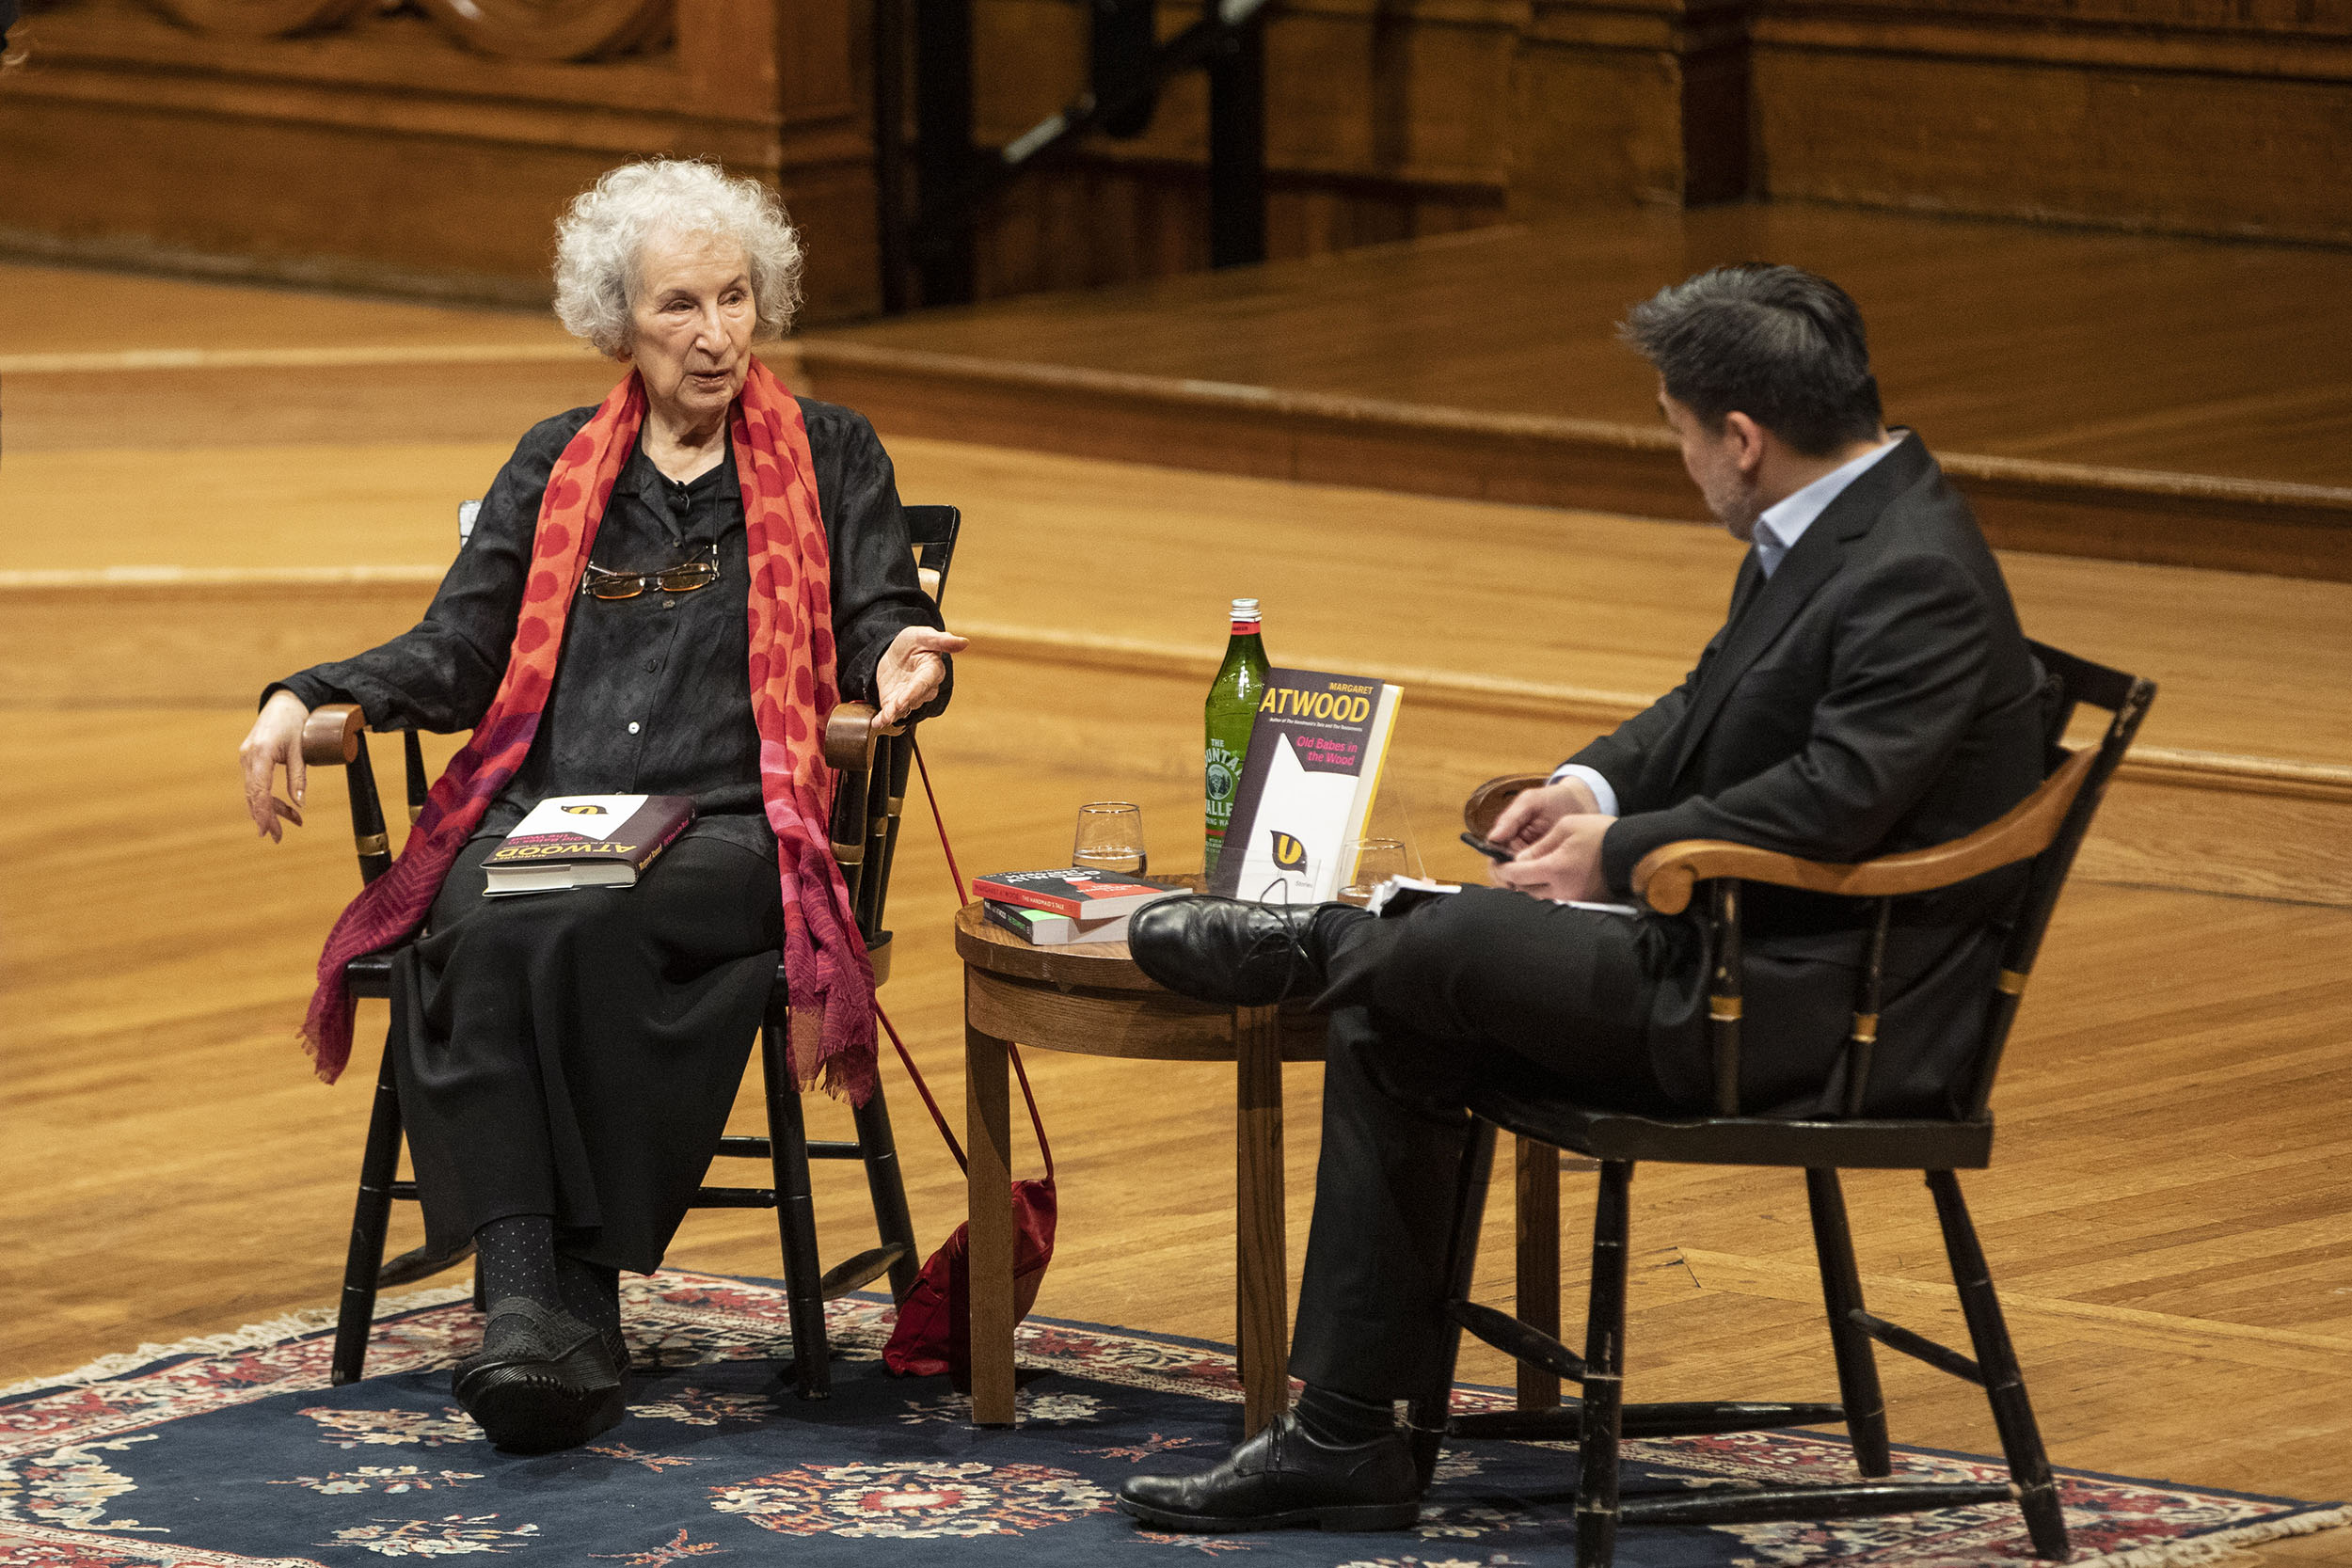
1720 462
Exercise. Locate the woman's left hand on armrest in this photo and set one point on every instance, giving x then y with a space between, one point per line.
912 669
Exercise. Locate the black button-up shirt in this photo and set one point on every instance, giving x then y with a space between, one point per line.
652 694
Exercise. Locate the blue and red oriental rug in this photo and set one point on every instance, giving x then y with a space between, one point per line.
234 1450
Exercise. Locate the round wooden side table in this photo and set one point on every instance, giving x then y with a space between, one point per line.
1090 999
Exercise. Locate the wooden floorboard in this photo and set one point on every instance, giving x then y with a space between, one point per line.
2103 395
2006 340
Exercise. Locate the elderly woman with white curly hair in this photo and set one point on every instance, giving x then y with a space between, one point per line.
665 594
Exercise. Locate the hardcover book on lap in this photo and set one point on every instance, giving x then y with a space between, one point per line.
1307 788
573 841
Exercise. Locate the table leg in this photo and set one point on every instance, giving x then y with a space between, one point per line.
1261 1271
1538 1221
988 1198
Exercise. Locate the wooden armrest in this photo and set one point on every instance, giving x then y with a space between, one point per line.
1486 801
1666 875
851 733
331 734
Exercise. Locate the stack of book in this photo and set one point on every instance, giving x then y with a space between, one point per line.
1053 908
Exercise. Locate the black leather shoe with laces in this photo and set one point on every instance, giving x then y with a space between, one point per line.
541 1380
1283 1477
1227 951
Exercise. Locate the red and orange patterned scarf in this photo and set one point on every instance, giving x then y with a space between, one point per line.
829 978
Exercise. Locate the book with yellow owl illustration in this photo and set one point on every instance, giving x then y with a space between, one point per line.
1306 785
574 841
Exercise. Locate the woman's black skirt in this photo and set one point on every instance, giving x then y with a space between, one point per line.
576 1053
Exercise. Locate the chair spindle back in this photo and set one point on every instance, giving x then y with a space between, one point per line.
2079 682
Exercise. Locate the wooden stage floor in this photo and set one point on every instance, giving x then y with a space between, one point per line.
2058 373
2170 1213
2121 351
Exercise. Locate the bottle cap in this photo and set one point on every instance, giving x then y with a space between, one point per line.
1246 610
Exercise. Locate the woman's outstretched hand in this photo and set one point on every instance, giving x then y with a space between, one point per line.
273 742
911 671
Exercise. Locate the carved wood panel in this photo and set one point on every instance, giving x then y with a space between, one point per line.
548 29
505 29
256 19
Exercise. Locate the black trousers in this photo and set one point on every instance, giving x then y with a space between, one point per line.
1478 986
576 1053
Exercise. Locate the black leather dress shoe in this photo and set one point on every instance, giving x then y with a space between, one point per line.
1227 951
541 1380
1283 1477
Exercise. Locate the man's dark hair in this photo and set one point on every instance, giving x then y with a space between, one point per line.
1780 344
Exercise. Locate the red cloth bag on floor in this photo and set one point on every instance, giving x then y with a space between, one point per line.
934 1330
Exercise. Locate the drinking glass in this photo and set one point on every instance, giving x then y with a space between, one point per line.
1376 860
1110 837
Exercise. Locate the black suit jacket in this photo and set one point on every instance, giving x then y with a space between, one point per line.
1875 694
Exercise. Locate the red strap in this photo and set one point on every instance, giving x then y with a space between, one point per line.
962 896
938 1119
1036 1124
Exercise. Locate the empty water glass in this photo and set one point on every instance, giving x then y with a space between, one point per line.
1376 860
1110 837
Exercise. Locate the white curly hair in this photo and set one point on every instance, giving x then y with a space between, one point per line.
600 240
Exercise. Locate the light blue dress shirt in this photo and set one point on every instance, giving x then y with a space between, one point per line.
1777 530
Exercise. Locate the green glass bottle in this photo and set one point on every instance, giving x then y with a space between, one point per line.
1231 710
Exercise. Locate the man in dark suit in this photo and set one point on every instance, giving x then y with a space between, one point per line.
1870 692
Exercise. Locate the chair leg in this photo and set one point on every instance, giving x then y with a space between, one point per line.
2004 1385
371 1215
1604 1370
1537 1225
1841 1297
886 1183
796 1218
1426 1415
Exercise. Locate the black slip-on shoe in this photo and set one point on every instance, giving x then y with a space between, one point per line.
1282 1478
1227 951
541 1380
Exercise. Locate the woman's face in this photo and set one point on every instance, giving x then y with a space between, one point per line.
693 317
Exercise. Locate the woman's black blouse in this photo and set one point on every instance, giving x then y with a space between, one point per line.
652 694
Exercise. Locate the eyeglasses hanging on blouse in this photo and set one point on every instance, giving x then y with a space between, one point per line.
599 583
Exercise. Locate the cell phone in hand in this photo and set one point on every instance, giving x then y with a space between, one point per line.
1491 850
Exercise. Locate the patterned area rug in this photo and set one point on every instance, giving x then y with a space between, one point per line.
234 1450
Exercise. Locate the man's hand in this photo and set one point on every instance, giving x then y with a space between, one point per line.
273 742
912 669
1530 814
1563 862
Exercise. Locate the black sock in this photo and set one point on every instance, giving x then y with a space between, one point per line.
1340 1421
516 1257
590 1291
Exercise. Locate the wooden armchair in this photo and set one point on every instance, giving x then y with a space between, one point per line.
872 760
2045 829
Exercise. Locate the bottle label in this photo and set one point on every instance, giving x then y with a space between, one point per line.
1247 628
1224 777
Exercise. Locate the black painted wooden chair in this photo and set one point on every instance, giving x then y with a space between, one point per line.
2045 828
872 760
